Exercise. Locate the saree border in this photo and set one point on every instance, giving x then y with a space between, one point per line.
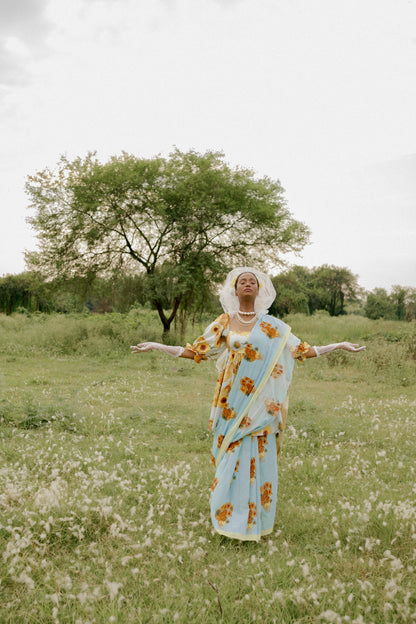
243 536
227 439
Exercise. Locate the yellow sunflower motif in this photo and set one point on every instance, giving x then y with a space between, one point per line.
236 361
224 513
246 422
252 470
262 444
233 446
228 413
225 391
300 351
252 513
277 371
200 348
247 385
273 407
251 354
269 330
266 495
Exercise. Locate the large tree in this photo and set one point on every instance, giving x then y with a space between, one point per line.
300 289
188 214
400 304
334 286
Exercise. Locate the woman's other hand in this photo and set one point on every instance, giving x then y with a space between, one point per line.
346 346
349 346
145 346
142 347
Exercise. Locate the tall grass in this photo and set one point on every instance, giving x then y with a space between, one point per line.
105 477
82 334
390 354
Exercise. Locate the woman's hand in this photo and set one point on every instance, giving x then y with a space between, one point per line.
142 347
346 346
146 346
349 346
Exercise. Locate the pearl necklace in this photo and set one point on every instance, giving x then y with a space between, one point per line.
246 313
249 321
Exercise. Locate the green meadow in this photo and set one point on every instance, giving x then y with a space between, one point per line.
105 476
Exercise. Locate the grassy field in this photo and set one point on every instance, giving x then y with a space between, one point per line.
105 478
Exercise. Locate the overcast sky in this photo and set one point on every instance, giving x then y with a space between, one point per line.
320 94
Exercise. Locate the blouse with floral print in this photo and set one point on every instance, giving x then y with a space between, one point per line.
230 347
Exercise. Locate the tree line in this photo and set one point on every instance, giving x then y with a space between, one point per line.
163 232
299 289
336 290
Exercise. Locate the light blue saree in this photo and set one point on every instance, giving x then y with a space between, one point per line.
248 416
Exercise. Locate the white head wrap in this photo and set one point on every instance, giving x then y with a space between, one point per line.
264 299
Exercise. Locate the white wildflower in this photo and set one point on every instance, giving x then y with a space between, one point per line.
150 514
51 496
277 595
297 596
396 564
198 553
391 589
114 530
25 578
113 588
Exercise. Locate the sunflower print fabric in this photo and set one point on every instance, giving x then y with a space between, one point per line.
247 419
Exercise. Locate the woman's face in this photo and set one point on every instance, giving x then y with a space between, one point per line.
247 285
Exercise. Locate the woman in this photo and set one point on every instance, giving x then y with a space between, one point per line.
256 354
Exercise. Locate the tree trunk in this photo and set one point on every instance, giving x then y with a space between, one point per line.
167 320
341 296
332 304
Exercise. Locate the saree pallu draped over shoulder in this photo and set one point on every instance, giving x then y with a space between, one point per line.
250 417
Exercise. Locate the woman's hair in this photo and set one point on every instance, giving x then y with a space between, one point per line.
236 281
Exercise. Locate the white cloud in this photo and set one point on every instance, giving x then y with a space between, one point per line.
298 90
23 28
25 18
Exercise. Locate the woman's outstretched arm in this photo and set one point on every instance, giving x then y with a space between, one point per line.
346 346
157 346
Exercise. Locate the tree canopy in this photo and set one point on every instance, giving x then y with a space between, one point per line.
327 287
187 217
398 305
26 291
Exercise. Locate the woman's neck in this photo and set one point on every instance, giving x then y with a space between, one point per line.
246 305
